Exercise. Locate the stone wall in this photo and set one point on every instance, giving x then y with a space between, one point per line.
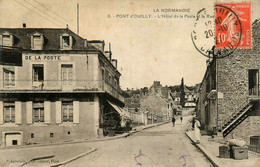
233 82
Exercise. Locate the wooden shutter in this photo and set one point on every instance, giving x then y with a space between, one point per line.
11 40
29 112
75 111
18 112
32 44
71 41
47 112
1 113
58 111
1 39
61 42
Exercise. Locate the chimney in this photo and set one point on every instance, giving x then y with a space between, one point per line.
24 25
85 43
114 62
108 55
98 44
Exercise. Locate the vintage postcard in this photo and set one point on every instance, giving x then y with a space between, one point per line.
128 83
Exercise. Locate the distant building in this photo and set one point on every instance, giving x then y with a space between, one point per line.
149 105
64 88
229 101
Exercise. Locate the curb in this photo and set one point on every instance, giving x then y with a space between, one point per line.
215 164
84 141
37 158
74 158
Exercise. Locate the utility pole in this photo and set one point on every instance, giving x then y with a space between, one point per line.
77 18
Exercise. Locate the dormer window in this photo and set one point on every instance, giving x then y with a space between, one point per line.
66 42
37 41
6 39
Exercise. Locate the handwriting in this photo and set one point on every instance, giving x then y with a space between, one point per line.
140 154
183 157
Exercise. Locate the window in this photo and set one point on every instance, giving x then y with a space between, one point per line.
9 80
51 135
14 142
38 111
67 74
32 135
7 39
67 111
9 112
115 81
37 42
103 74
38 74
66 42
109 78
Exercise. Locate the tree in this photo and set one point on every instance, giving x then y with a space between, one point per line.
182 95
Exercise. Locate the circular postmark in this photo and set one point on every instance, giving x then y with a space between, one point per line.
216 35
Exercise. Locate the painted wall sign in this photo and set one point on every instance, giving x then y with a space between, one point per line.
45 58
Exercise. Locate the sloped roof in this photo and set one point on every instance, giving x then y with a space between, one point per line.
22 38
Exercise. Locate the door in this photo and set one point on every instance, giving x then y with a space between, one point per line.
253 81
67 75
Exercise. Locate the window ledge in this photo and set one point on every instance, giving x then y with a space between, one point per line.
39 124
37 84
8 125
9 87
67 124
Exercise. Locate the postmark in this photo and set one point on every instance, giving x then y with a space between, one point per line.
220 35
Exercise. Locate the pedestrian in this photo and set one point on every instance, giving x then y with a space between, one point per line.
197 130
193 123
181 118
173 121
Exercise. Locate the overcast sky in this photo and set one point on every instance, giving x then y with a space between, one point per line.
147 49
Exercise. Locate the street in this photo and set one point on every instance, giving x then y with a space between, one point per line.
162 146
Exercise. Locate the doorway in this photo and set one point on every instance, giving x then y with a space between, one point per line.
253 82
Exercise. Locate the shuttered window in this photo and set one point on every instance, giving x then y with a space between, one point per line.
67 74
9 112
9 78
7 40
66 42
37 41
67 111
38 112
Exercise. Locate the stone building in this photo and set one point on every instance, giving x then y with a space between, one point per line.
149 105
229 101
63 89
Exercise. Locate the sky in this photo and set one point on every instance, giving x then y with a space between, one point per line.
147 49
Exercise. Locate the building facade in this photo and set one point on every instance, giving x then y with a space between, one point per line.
63 90
229 101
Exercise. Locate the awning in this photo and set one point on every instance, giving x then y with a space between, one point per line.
119 109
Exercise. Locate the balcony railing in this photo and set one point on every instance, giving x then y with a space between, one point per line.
80 86
115 92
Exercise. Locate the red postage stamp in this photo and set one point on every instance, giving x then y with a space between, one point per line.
233 25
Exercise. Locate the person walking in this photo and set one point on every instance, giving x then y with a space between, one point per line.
197 130
173 121
181 118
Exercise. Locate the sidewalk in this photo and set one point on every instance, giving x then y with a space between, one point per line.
211 150
55 154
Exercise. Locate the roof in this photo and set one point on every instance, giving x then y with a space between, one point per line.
22 38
